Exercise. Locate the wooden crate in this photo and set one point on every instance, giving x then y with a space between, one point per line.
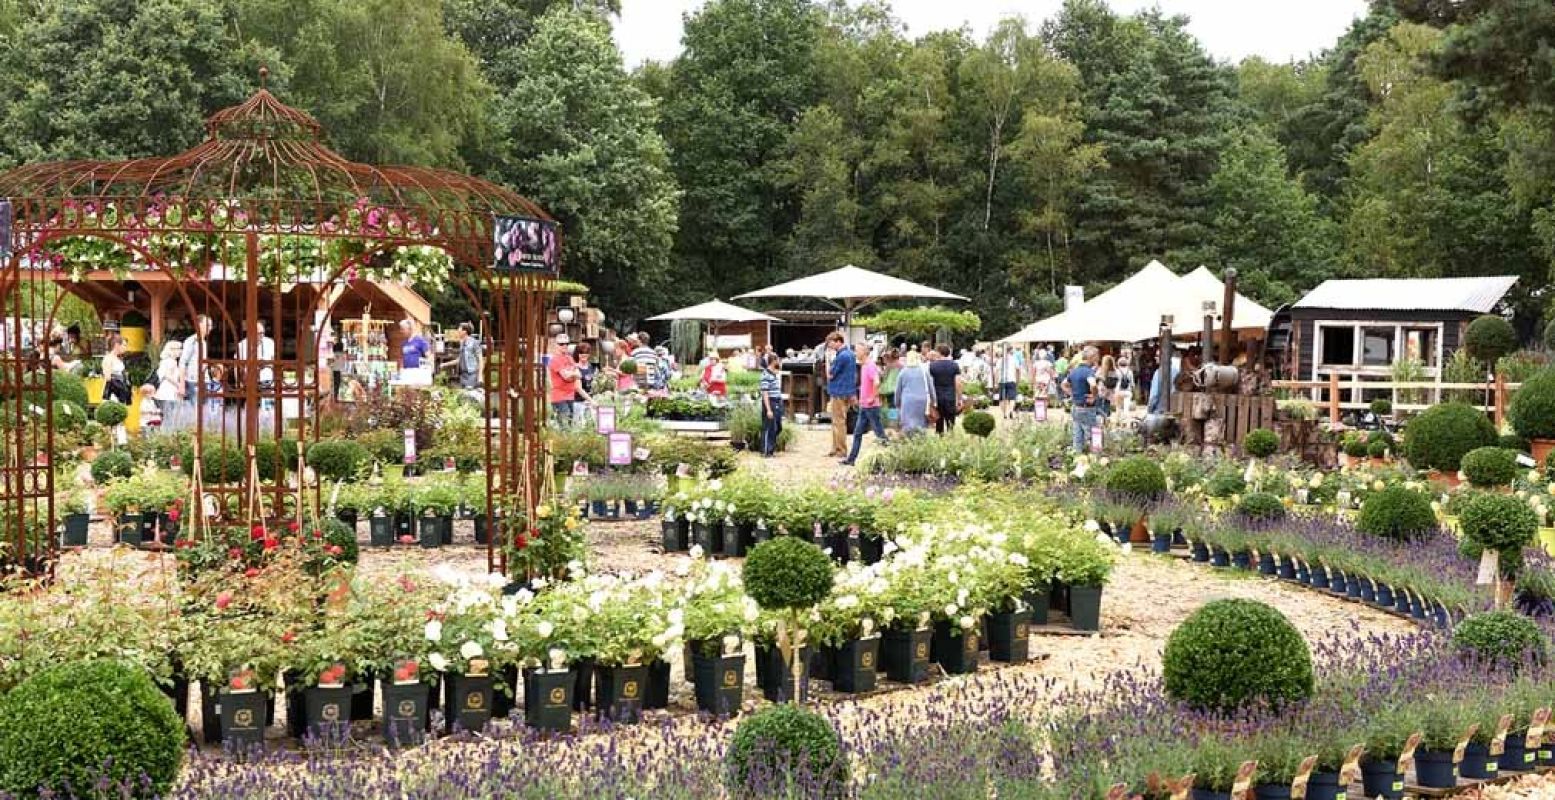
1237 414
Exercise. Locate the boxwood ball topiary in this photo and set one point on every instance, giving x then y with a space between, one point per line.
1260 507
338 459
978 423
110 413
1231 653
1397 513
1500 638
1442 434
1489 337
1498 521
1261 442
1377 449
787 572
783 743
112 464
1490 466
85 721
1532 411
1355 445
1137 478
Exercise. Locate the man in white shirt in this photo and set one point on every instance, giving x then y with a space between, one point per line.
266 353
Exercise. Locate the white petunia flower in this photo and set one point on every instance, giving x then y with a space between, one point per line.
437 661
471 649
434 630
499 629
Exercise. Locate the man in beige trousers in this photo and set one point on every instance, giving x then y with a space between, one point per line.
842 388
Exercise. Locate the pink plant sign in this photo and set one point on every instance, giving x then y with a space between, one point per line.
605 420
620 450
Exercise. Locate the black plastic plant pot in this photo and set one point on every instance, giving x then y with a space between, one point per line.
1352 586
1317 577
320 712
1401 602
406 713
1198 552
1323 786
348 516
1368 590
362 700
127 529
871 548
1036 607
1434 769
1439 616
1285 570
778 687
1160 543
1085 607
467 702
1219 557
734 541
1266 565
1416 607
447 521
703 536
1517 757
404 524
502 703
380 530
719 682
955 648
760 534
1478 763
1242 559
430 530
1384 596
837 543
548 699
1303 574
619 692
905 654
76 528
1179 540
672 534
1382 778
598 510
657 694
821 663
1058 597
1009 637
482 532
1546 755
1209 794
583 691
242 716
855 665
153 528
1272 791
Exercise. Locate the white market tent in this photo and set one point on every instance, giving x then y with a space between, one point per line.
851 288
1131 311
715 310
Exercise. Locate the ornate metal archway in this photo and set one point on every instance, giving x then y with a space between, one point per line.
238 222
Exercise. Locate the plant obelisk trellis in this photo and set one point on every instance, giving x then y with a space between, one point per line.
256 224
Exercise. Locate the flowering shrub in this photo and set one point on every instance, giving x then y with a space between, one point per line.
543 546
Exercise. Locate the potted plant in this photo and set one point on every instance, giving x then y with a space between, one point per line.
1085 567
847 633
716 614
1439 438
787 577
75 520
462 638
435 500
1532 414
1139 482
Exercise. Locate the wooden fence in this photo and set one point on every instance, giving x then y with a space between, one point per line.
1497 393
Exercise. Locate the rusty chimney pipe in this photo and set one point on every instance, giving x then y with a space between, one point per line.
1228 309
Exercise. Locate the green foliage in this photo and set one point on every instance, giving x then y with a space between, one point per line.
1498 521
1260 507
110 413
1489 337
273 459
1513 442
1397 512
1225 481
1261 442
787 573
1355 444
1532 411
1136 479
110 465
69 387
1231 653
1490 466
782 741
1377 449
926 321
1382 406
75 724
1504 639
220 462
1441 435
338 459
1548 339
745 426
978 423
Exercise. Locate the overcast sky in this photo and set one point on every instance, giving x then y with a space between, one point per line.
1278 30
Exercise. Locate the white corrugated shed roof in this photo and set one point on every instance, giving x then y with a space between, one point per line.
1479 295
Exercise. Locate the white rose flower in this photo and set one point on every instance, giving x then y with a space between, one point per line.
498 629
545 629
471 649
951 609
696 552
847 601
437 661
1092 526
434 630
966 623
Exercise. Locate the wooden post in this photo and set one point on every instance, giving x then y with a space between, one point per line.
1333 398
1500 400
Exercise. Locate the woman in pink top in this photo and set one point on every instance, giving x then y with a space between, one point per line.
868 403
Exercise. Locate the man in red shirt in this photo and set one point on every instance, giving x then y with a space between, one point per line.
565 388
868 403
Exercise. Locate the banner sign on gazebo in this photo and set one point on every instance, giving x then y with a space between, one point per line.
5 227
524 244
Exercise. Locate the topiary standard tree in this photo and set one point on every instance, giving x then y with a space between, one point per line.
1487 467
1397 513
978 423
788 575
1501 640
1489 337
1500 522
1261 442
1137 480
110 413
69 727
1232 653
1440 437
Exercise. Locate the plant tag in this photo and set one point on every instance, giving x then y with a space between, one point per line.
1463 744
1498 742
410 445
605 420
1039 409
1118 791
1244 780
580 469
1350 770
478 667
1298 785
1489 566
1406 759
1096 439
558 658
1180 788
732 645
634 658
1536 724
641 454
620 449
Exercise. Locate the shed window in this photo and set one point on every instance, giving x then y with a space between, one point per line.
1420 344
1377 346
1338 343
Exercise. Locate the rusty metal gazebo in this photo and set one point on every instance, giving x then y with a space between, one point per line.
261 205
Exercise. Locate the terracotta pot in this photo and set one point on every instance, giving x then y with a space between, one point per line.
1379 462
1139 534
1449 479
1541 450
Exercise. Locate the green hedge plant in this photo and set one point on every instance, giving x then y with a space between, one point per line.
786 751
1442 435
1502 639
1233 653
1260 507
1487 467
338 459
111 465
73 725
1136 479
1397 513
1532 412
